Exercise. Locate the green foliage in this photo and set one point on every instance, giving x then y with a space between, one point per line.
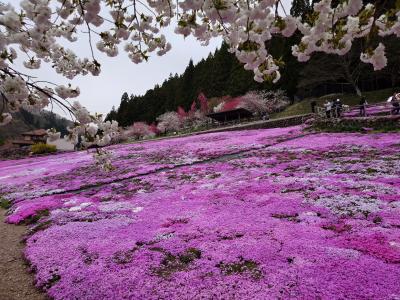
5 204
1 141
240 267
41 148
300 8
33 219
174 263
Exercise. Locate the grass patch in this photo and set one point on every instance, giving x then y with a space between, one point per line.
123 257
36 217
175 263
5 204
243 266
43 148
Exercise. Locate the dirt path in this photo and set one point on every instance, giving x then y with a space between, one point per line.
16 283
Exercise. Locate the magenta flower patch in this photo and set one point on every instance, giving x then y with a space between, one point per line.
263 214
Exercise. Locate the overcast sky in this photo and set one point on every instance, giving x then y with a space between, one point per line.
119 74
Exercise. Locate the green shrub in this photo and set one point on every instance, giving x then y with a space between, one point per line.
43 148
1 142
5 204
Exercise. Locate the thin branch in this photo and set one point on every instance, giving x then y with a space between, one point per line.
283 8
90 41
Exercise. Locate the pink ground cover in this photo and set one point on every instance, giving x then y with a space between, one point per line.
372 110
35 177
313 217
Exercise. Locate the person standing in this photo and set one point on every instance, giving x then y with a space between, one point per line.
338 106
328 108
396 104
333 109
313 105
363 104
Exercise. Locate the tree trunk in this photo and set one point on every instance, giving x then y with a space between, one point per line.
351 80
357 89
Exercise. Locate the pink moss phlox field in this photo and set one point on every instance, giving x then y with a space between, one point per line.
67 172
314 217
377 109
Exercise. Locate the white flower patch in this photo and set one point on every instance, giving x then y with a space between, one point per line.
378 188
394 244
163 236
28 172
349 205
342 252
186 160
55 191
309 217
116 206
395 204
70 202
207 186
80 207
137 209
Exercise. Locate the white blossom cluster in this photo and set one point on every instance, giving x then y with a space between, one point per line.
169 121
333 30
91 129
36 27
53 135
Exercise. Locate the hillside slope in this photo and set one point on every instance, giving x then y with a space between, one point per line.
25 121
304 107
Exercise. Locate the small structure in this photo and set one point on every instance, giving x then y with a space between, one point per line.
32 137
231 115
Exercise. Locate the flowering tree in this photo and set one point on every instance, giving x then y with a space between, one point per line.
258 102
139 130
274 100
37 27
203 103
254 102
169 121
181 112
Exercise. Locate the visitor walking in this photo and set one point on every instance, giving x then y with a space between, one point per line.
339 107
264 116
363 104
333 109
313 105
396 104
328 108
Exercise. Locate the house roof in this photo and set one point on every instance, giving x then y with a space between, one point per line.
37 132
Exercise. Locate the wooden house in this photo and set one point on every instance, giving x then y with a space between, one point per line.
31 137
